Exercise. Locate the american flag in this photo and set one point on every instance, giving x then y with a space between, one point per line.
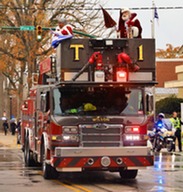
156 16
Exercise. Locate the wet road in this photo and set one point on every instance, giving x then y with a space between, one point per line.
165 176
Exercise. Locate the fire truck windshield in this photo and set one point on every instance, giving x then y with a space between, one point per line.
97 101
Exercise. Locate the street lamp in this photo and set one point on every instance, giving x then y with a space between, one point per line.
10 106
53 66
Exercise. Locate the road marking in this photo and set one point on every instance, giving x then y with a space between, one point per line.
82 188
72 186
67 186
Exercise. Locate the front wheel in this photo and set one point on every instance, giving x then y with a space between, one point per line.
157 144
28 155
49 172
128 174
170 146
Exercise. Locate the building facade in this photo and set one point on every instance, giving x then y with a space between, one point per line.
167 73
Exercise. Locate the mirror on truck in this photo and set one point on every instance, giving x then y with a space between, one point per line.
45 102
149 103
149 99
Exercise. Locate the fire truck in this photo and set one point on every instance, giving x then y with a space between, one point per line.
90 111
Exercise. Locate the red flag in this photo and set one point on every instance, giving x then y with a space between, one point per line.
109 22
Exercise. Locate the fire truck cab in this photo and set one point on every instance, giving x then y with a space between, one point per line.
96 114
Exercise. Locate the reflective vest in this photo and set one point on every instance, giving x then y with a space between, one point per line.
175 122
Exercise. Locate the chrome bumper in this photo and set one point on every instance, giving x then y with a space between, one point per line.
102 151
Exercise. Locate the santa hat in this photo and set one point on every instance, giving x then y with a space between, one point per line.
121 22
62 20
125 9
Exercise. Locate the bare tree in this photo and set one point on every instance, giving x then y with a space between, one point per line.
20 48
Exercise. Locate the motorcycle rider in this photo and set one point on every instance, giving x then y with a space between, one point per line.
162 134
159 126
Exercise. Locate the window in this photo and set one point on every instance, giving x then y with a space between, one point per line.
97 101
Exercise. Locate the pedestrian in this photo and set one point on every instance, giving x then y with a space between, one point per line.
6 126
13 127
19 126
177 126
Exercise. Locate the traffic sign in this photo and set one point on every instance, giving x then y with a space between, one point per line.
32 28
27 28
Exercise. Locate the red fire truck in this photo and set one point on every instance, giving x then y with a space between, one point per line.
95 114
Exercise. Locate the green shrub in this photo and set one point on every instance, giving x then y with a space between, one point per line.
168 105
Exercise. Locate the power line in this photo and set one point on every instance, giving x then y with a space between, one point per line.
87 8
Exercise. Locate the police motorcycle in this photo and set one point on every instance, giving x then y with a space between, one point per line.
162 137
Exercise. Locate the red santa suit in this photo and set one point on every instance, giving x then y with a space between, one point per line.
127 23
65 30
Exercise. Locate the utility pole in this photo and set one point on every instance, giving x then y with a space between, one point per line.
152 21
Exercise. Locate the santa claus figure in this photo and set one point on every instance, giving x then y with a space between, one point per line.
129 26
63 31
63 28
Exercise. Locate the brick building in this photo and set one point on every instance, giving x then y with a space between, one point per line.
178 81
165 70
166 76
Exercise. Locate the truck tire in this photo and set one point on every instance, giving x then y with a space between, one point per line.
49 172
128 174
28 155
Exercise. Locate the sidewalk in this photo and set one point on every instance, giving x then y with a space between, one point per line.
9 141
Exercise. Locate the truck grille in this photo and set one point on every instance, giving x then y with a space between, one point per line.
101 135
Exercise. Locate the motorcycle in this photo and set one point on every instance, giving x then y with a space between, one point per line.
162 138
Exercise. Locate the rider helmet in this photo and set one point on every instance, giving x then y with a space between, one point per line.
161 115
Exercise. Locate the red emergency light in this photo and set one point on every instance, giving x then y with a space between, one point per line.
121 75
135 129
132 129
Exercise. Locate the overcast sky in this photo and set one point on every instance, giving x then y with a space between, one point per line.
169 28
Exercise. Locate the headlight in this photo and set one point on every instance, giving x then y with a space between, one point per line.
73 138
132 137
65 138
70 129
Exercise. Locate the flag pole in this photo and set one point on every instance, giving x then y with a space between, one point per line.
152 27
